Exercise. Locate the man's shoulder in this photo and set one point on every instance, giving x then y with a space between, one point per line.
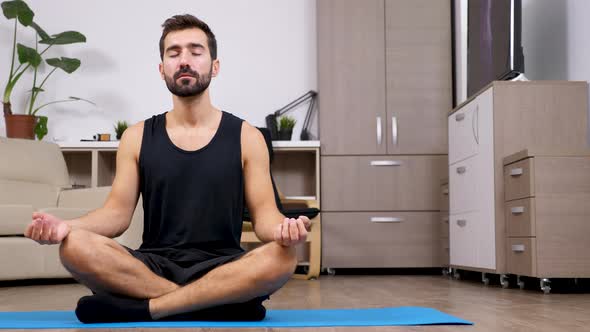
253 142
135 131
251 134
131 139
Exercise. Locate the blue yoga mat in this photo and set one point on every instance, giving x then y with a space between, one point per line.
274 318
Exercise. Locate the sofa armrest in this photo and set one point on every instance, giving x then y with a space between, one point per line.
88 198
14 218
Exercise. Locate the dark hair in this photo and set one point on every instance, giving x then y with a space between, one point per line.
187 21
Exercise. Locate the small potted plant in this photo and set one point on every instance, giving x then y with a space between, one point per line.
120 127
286 124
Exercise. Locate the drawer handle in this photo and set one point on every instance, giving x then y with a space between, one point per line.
385 163
386 220
518 247
461 169
379 133
516 171
446 220
394 130
461 222
445 191
460 117
517 210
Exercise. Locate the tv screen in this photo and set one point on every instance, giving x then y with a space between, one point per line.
494 50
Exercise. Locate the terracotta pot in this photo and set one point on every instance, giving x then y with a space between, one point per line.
20 126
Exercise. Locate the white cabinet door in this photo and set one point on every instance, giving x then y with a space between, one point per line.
463 239
463 180
462 133
471 128
486 240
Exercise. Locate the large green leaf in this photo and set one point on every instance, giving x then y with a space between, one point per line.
40 31
67 37
18 9
28 55
41 127
69 65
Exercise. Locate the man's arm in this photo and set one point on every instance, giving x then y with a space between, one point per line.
114 217
268 222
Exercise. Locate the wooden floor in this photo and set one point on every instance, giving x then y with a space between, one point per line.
491 308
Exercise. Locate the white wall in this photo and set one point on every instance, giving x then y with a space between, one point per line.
267 50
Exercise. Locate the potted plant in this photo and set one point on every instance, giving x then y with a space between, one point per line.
286 124
120 127
29 124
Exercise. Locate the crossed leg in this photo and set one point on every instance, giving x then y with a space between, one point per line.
103 265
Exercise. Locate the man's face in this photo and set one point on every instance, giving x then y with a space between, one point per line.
187 67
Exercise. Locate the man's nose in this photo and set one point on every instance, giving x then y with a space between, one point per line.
184 66
184 59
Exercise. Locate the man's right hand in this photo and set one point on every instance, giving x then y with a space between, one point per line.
47 229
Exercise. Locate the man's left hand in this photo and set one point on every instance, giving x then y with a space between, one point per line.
292 231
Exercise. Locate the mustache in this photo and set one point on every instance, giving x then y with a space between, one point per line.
184 71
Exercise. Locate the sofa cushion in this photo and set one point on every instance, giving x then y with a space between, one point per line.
38 195
14 219
33 161
22 258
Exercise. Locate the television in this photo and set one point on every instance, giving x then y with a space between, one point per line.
494 48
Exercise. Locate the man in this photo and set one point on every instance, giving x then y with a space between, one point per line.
193 166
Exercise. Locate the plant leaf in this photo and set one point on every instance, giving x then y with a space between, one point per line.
36 89
28 55
18 9
69 65
41 127
40 32
66 37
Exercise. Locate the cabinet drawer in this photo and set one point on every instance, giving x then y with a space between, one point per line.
444 224
520 217
521 256
473 240
382 183
444 197
519 179
463 142
463 239
380 239
464 177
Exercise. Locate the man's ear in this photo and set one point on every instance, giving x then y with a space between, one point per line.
215 68
161 69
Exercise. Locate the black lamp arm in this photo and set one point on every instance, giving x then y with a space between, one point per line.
309 95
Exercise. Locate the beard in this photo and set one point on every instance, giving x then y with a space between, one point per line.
185 88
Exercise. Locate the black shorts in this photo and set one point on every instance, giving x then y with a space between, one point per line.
183 273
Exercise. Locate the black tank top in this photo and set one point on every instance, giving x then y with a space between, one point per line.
192 200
